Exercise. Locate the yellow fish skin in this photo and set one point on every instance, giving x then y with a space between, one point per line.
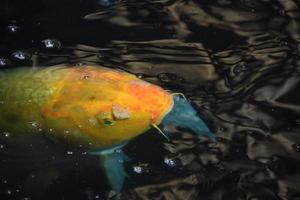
91 106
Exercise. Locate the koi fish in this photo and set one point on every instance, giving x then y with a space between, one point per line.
95 107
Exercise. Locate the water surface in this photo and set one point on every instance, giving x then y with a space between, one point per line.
236 61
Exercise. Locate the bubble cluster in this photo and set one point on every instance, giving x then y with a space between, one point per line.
138 169
6 134
13 28
21 55
170 162
4 62
51 44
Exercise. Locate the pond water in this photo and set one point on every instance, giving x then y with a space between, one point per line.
237 62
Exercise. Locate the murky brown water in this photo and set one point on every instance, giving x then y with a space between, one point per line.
237 61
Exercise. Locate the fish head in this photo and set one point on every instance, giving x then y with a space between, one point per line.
100 107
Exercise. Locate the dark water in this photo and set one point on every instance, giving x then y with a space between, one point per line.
237 61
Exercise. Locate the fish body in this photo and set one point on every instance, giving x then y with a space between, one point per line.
90 106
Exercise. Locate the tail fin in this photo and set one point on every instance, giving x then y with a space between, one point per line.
183 115
112 161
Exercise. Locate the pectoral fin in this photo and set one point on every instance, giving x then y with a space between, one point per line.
112 161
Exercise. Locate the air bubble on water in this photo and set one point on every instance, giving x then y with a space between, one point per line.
264 160
2 146
51 44
13 28
282 12
33 124
6 134
140 75
4 181
120 161
221 129
4 62
118 150
69 152
296 147
9 192
170 162
21 55
97 197
168 77
239 68
67 131
138 169
81 64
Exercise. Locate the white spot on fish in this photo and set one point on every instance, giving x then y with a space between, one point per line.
120 113
85 77
92 121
